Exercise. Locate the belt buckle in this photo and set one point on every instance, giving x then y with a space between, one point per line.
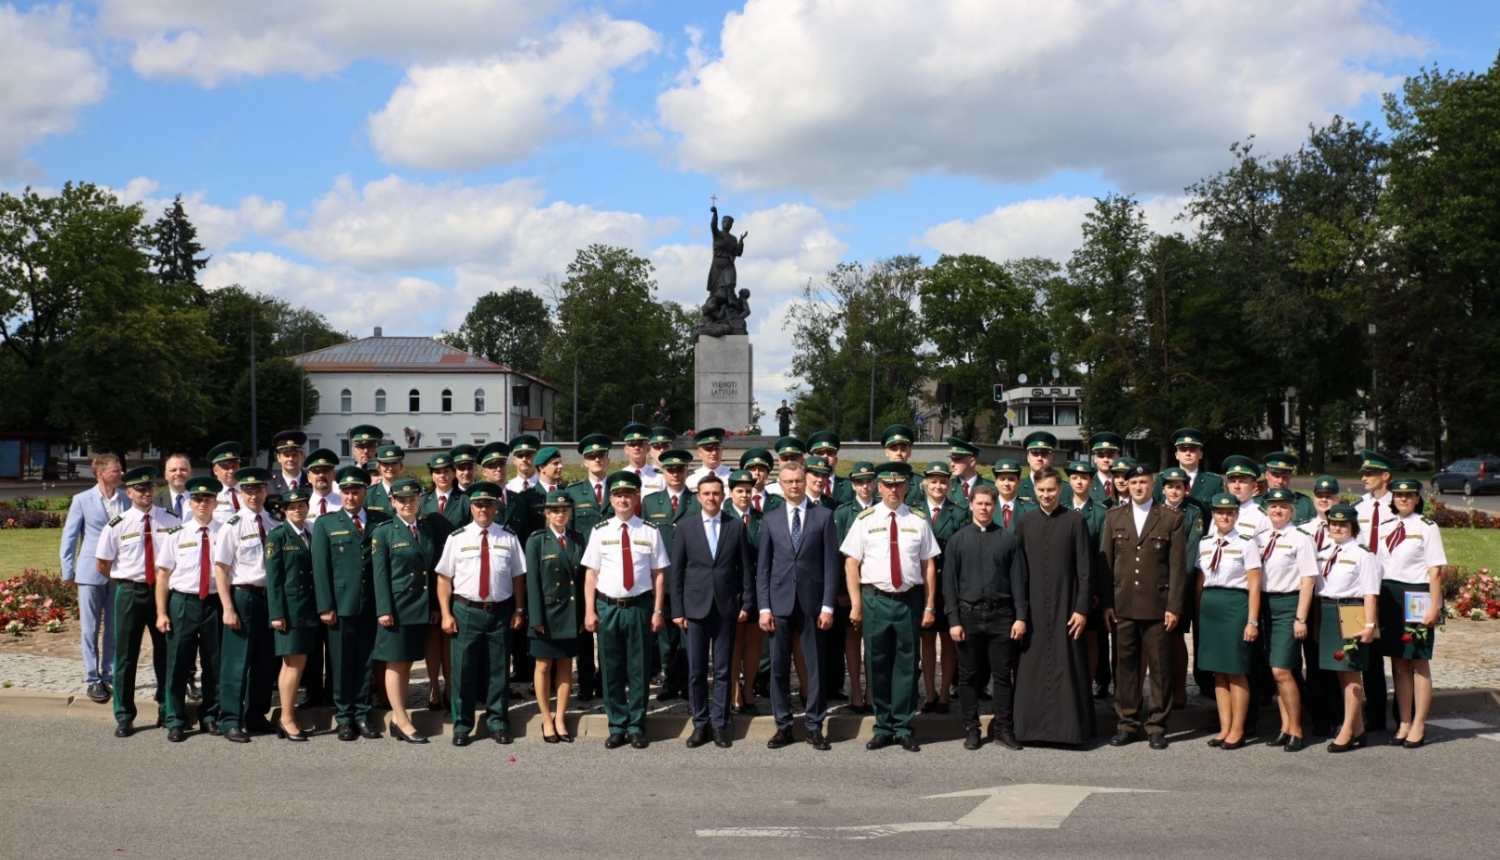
488 606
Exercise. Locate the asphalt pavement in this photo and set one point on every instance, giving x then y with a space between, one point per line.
75 791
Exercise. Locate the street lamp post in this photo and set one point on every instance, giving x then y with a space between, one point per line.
575 388
254 401
633 407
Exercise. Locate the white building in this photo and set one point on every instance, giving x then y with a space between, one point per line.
418 385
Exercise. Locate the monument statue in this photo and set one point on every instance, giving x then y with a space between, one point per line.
725 310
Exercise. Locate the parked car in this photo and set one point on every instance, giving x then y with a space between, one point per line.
1413 461
1474 475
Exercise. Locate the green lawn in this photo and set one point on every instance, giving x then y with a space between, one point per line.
1470 547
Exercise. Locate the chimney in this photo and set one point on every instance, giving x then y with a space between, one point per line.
377 331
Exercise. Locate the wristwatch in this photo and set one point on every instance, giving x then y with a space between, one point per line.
1301 620
930 609
1370 626
1254 622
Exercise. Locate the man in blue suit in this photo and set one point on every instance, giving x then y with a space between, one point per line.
713 589
796 582
88 513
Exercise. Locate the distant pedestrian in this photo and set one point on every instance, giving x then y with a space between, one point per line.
662 414
784 420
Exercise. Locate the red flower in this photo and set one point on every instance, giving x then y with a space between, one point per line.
1338 655
1406 638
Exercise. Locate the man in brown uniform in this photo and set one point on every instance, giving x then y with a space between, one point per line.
1143 558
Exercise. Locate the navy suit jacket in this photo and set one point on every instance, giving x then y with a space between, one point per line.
699 581
807 576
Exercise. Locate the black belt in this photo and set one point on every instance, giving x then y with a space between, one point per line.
982 605
1224 588
1344 601
487 605
207 597
130 583
625 601
870 589
1280 593
253 589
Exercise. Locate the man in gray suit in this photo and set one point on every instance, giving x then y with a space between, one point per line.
712 585
88 513
796 583
174 496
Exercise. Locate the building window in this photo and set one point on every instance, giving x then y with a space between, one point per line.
445 441
481 439
1067 416
1039 416
520 396
379 401
314 444
479 400
343 447
447 401
414 400
346 401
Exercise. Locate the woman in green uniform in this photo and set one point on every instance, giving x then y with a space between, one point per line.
405 552
1411 561
1229 612
1289 564
554 589
291 603
1350 578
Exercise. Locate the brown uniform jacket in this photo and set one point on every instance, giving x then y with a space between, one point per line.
1147 577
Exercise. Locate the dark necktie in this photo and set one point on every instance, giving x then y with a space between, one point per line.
260 526
562 542
1322 532
414 535
355 518
234 499
322 506
627 572
150 547
895 556
203 565
1007 516
1218 555
1328 568
177 506
1375 528
599 495
1396 537
1265 554
442 505
484 565
796 528
674 504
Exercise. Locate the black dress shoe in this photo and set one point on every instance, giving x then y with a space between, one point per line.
879 742
368 731
550 739
502 737
1123 738
1278 741
748 709
237 735
124 730
614 741
972 741
161 716
348 732
984 696
909 743
1397 740
1231 745
1215 742
415 737
723 738
299 736
460 739
1007 740
209 726
1414 745
1158 741
1293 744
863 710
97 695
700 736
940 708
1353 744
1101 691
817 741
584 696
929 707
782 738
638 741
176 734
109 689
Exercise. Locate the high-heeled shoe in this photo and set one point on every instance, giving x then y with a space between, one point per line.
1416 744
415 737
1353 744
550 739
1293 744
300 737
1232 745
563 735
1278 741
1215 742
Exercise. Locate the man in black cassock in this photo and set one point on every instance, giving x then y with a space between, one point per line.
1053 700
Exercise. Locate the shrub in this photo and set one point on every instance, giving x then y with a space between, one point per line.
1477 593
36 599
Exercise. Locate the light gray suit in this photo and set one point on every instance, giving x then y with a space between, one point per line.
87 517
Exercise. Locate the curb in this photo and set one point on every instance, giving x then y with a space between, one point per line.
527 722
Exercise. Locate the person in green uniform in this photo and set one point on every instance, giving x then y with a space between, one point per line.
710 442
819 474
1351 583
757 461
1203 485
665 510
1009 506
938 648
390 463
247 654
465 466
1279 468
1080 498
523 449
187 607
1411 559
549 469
590 506
404 554
1289 572
481 589
890 564
512 512
1174 495
1228 596
826 444
744 664
624 595
1120 473
554 592
1039 447
343 583
291 603
862 483
963 465
1104 448
365 441
897 440
445 509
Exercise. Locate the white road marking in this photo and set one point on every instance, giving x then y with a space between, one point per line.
1459 724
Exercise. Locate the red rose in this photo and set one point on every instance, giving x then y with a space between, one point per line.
1338 655
1406 638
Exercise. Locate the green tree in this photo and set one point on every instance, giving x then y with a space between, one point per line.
510 327
175 259
280 386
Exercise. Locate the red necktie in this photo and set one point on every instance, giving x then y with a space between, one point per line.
935 512
414 535
292 485
895 556
1007 516
260 526
234 499
1218 554
1328 568
442 504
322 506
552 489
746 517
1322 531
1265 554
628 573
1375 528
355 518
757 501
599 495
1109 490
1396 537
203 566
150 553
674 505
484 565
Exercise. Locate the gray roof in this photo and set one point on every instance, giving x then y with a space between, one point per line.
399 354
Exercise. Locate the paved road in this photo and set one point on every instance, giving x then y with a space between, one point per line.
74 791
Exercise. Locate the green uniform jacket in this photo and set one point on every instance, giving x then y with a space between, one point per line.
534 498
587 512
290 590
1192 534
752 528
1022 506
554 585
1302 509
1203 490
956 495
378 499
515 516
341 564
843 492
843 518
405 574
950 519
1093 513
457 512
656 509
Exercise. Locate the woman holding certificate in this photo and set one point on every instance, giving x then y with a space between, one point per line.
1289 565
1229 612
1411 595
1346 618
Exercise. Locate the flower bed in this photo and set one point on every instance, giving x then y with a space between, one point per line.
36 599
1473 594
1462 518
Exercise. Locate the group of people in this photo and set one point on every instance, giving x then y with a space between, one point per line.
908 581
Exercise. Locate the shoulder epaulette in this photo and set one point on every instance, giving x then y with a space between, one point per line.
651 524
1243 536
602 523
173 529
116 520
232 520
866 512
1428 521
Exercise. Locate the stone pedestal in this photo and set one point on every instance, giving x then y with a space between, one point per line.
723 388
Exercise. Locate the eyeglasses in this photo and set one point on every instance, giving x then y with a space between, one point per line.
596 455
143 488
661 446
635 443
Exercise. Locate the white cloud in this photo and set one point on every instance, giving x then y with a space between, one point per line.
842 98
218 227
47 78
210 41
1050 227
467 113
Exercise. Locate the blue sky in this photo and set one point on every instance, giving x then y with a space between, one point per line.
387 162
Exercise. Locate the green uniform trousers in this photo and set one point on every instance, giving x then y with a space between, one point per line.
197 627
247 662
351 650
624 640
892 627
481 655
135 614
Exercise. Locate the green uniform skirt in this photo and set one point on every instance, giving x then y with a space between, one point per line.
1282 648
547 648
296 640
1222 617
1392 615
402 643
1330 642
